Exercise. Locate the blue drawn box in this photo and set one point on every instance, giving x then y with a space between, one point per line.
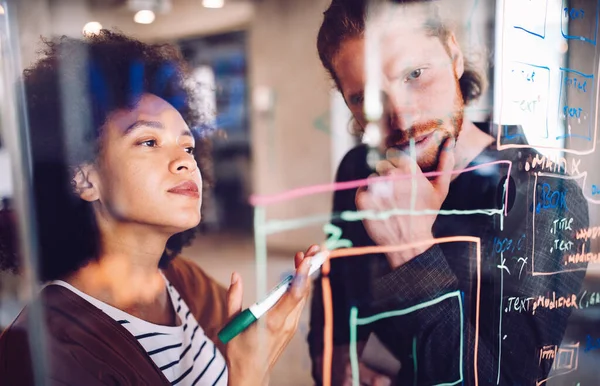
526 85
578 110
532 17
581 29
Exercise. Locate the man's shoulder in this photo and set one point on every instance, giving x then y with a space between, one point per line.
354 164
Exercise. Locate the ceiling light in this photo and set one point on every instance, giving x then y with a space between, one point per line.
92 28
144 16
213 3
1 10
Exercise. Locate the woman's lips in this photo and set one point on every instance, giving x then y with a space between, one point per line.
188 188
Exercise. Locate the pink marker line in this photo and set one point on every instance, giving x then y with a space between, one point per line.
258 200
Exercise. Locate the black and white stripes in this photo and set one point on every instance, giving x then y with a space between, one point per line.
183 353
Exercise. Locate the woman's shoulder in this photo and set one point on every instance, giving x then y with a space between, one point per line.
186 275
74 339
204 296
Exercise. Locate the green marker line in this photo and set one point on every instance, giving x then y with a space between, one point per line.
413 171
405 311
374 215
355 321
260 249
413 180
353 348
276 226
414 354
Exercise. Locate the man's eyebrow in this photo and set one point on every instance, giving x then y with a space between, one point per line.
153 124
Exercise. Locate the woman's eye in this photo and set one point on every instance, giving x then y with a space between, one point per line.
356 99
149 143
190 150
415 74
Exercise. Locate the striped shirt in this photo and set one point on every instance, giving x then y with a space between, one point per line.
184 354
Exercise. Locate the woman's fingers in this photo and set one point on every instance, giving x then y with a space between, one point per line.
300 283
298 259
313 250
289 307
234 295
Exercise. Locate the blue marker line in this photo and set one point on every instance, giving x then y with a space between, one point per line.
533 33
560 93
582 38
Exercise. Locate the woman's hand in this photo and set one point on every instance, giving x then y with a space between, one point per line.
252 354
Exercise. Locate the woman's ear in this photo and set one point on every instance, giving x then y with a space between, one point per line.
458 60
86 183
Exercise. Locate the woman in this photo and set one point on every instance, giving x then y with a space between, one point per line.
118 193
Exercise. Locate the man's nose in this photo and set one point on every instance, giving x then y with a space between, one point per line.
401 111
182 162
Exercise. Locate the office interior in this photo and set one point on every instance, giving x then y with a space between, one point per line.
282 126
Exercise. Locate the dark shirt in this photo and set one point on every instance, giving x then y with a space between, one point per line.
492 294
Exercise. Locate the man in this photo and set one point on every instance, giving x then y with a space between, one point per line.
479 336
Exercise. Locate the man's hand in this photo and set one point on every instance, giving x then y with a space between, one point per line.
341 370
367 376
397 194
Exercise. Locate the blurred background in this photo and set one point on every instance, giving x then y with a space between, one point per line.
266 90
283 126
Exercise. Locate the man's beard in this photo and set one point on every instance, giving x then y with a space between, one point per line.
428 158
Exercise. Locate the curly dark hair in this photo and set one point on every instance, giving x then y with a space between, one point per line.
69 93
345 19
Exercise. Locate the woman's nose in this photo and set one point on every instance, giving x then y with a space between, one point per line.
182 162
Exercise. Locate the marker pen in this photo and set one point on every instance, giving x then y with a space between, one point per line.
250 315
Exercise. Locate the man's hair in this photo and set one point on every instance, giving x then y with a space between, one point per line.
70 92
345 19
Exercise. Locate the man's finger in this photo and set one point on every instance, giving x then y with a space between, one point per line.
445 166
384 167
363 200
371 377
399 160
367 376
235 295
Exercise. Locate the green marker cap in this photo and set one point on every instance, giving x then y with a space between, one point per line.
236 326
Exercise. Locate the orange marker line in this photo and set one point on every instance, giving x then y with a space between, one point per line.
356 251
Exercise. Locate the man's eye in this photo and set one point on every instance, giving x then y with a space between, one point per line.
190 150
148 143
415 74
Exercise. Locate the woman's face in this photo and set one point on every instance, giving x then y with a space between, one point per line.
146 170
